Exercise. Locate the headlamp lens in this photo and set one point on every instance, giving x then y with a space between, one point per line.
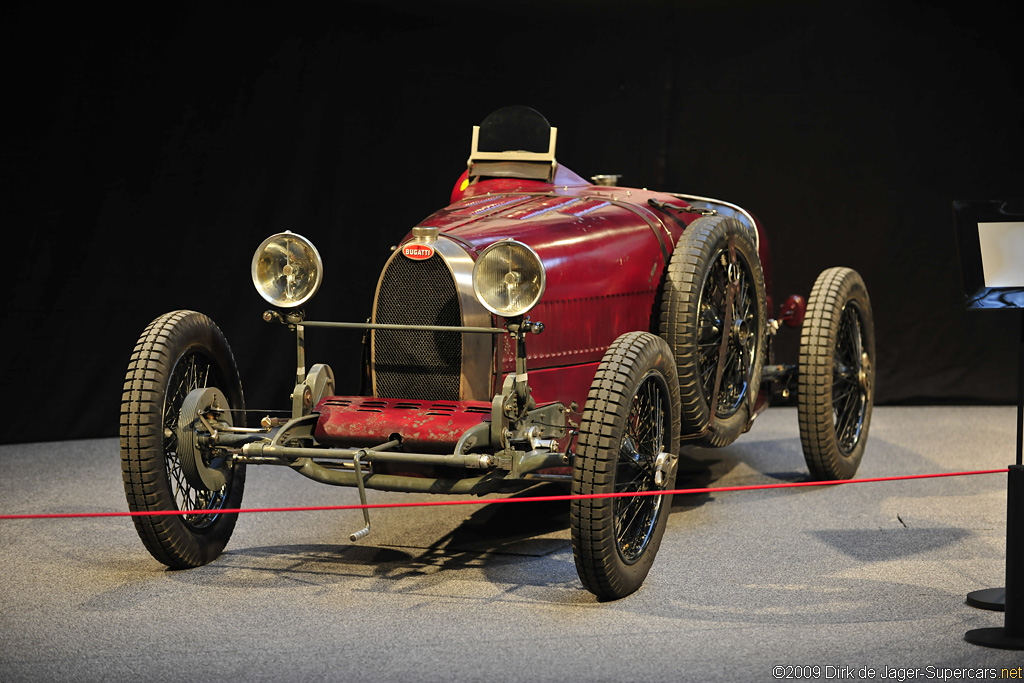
508 278
286 270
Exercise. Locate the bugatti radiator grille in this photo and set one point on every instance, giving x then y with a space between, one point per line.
417 365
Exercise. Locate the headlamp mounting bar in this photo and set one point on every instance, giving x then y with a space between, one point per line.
292 319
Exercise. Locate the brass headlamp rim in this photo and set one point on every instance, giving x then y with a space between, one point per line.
317 262
476 280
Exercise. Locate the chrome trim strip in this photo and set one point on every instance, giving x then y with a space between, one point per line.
735 211
477 349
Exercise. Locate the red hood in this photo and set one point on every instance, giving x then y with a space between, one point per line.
603 249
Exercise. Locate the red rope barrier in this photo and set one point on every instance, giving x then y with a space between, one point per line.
488 501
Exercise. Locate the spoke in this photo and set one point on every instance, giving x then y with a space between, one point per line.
849 344
740 306
708 379
843 433
646 408
191 372
739 356
855 334
641 471
848 420
634 516
630 529
659 438
849 390
849 399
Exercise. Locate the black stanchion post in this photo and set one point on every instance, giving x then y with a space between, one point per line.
1011 635
1013 621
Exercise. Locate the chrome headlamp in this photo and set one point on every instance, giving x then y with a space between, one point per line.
508 278
287 270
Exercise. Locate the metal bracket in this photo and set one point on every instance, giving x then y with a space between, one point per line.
665 206
472 437
318 383
297 429
362 498
503 409
541 429
510 407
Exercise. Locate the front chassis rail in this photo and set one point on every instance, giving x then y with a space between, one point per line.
340 464
292 445
262 449
488 483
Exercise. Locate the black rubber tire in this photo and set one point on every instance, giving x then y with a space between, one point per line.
692 301
836 385
176 353
613 561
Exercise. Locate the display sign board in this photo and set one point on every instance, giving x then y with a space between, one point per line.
990 237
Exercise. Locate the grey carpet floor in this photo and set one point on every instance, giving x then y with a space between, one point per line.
854 577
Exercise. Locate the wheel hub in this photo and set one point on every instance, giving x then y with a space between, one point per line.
740 331
864 373
664 465
203 476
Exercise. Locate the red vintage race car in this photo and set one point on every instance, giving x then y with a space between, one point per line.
541 327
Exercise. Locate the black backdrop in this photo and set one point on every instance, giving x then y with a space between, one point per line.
146 153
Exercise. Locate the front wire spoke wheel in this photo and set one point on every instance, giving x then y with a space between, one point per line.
192 371
177 353
849 393
635 516
630 419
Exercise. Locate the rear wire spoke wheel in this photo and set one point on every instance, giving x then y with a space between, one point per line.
631 417
836 375
177 352
705 282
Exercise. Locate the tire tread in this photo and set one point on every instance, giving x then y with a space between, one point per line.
598 563
141 439
833 289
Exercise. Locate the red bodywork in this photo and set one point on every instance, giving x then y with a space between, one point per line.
604 250
425 426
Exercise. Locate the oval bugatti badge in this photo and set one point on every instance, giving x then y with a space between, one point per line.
418 252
